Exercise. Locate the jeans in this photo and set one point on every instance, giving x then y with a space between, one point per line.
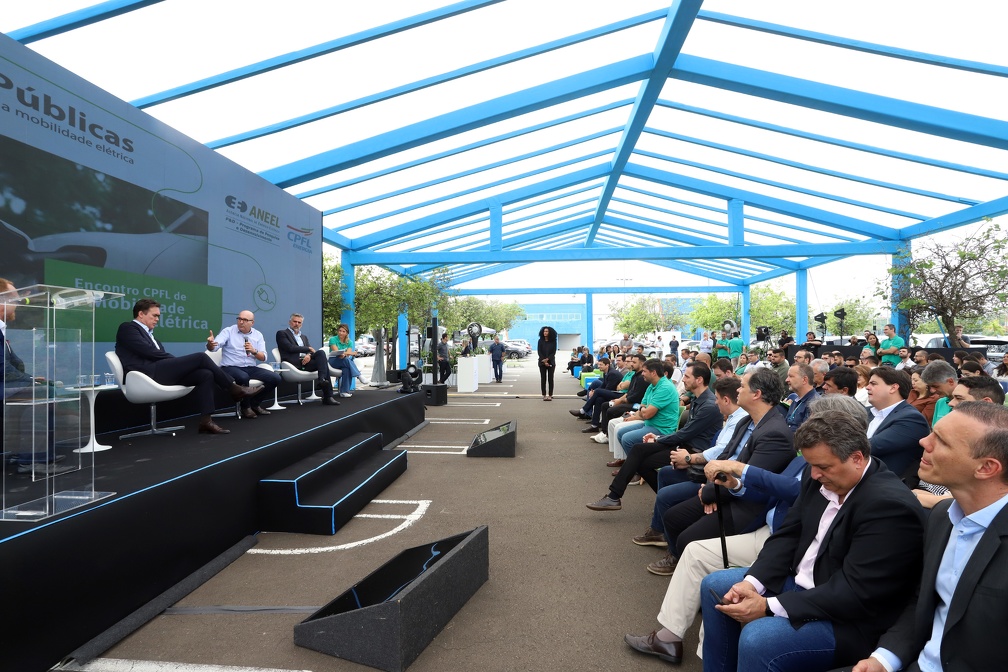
498 369
674 486
242 375
628 437
768 643
350 371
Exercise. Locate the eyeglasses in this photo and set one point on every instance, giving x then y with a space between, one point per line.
245 319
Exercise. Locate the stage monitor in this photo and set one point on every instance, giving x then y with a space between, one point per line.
497 442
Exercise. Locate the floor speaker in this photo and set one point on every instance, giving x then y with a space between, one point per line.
436 395
497 442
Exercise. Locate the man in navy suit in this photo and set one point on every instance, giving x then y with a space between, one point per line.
138 350
295 349
832 579
952 622
895 428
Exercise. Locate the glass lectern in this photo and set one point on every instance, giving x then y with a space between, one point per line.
48 360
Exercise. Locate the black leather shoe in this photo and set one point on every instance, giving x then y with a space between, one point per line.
259 410
670 652
590 430
211 427
329 401
582 393
248 414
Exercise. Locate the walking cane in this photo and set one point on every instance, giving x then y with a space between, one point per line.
720 520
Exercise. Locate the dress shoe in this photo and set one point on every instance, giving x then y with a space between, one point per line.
664 567
582 393
615 463
239 392
670 652
589 430
208 426
651 538
330 401
259 410
576 412
607 503
248 414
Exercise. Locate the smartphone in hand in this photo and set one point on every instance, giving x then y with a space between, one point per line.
717 598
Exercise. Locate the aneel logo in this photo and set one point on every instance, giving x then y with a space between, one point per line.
235 204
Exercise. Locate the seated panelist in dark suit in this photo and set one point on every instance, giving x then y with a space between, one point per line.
953 620
138 350
295 348
834 576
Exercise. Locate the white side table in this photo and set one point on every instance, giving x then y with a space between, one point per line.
91 392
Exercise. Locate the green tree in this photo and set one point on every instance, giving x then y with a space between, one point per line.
644 314
769 307
460 311
859 317
960 280
333 303
381 295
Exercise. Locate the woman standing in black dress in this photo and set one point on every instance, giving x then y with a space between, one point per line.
547 348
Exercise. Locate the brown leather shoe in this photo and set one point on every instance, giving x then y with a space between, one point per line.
664 567
329 401
615 463
248 414
208 426
650 538
239 392
670 652
259 410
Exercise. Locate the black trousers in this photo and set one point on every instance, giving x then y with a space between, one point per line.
546 376
195 369
686 522
444 369
644 459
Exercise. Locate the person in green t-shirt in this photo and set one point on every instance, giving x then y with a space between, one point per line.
659 408
888 350
736 346
341 356
942 378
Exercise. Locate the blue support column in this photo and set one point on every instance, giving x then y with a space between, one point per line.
897 316
745 330
801 305
589 321
403 347
350 283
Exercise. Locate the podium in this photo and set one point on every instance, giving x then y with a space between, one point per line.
49 362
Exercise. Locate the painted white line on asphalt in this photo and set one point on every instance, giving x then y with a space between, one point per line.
457 421
421 508
122 665
412 446
476 404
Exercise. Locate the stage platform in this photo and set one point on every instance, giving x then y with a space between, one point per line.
179 503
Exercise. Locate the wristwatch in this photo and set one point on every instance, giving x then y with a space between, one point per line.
769 611
689 458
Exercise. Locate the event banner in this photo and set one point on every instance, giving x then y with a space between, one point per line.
96 194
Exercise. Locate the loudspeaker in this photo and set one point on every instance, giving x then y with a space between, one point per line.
388 619
497 442
437 395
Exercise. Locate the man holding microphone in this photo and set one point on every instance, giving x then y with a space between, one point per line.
242 349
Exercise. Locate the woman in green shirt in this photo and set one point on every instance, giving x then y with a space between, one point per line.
341 356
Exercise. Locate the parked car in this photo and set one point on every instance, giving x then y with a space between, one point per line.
521 342
996 345
511 350
365 346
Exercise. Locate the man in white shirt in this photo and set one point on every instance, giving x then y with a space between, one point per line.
895 428
242 349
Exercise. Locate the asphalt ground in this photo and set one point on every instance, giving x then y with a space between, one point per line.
566 584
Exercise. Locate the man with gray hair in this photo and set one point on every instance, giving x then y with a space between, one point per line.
295 349
942 378
819 370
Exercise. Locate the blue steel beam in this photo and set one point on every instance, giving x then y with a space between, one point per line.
836 142
620 254
480 205
677 26
846 102
453 123
998 206
812 168
309 53
686 266
335 239
497 291
435 80
782 185
77 19
856 45
764 202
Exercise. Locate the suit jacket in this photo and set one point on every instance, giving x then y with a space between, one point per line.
611 380
977 612
136 350
778 491
290 351
701 426
14 369
770 447
868 563
897 440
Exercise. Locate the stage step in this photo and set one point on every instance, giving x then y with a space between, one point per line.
322 492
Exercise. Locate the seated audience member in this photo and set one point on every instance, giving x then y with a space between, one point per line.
723 367
819 370
799 379
921 396
832 578
632 387
658 412
905 361
802 357
766 442
677 480
895 428
784 340
958 357
920 358
779 364
811 344
942 378
138 350
837 359
295 349
1002 369
934 357
841 380
863 374
949 622
242 349
606 391
341 356
702 557
868 359
684 355
971 367
980 356
652 452
850 362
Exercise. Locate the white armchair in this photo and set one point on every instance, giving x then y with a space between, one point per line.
141 389
292 374
215 357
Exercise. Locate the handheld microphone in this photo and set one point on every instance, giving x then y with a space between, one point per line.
247 352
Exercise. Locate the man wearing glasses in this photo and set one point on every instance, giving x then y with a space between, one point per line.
242 349
138 350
